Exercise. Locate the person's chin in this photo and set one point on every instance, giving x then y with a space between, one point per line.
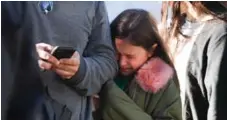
126 73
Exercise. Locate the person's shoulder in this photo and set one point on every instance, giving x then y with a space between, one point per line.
219 28
99 4
217 33
215 30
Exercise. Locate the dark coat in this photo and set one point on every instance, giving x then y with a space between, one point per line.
22 89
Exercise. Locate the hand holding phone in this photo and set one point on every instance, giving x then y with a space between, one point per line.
65 61
46 60
69 61
49 55
68 67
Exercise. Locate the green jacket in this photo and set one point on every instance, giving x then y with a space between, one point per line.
137 103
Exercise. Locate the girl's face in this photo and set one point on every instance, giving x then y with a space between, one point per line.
130 57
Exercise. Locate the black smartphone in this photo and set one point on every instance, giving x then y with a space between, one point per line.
62 52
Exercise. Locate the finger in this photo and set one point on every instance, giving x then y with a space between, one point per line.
44 65
75 55
70 61
53 60
64 74
69 68
48 57
44 46
43 54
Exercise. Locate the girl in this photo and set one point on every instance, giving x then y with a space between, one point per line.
147 83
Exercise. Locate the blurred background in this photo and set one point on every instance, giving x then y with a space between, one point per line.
116 7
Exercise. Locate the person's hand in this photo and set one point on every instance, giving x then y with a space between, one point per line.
46 60
96 101
68 67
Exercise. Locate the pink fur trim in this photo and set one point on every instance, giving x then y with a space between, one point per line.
154 75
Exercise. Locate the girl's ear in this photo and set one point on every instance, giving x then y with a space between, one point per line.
152 49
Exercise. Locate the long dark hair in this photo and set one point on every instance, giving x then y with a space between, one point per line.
139 28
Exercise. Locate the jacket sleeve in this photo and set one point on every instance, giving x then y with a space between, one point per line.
116 105
168 103
215 76
98 62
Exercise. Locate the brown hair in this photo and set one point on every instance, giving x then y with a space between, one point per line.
139 28
179 14
210 8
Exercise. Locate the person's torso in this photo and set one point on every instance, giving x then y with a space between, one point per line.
181 51
196 102
67 24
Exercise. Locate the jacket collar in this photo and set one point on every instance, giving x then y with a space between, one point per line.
154 75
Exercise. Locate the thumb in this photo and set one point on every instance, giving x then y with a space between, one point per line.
76 55
44 46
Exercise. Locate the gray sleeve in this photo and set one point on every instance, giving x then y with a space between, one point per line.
216 77
98 62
